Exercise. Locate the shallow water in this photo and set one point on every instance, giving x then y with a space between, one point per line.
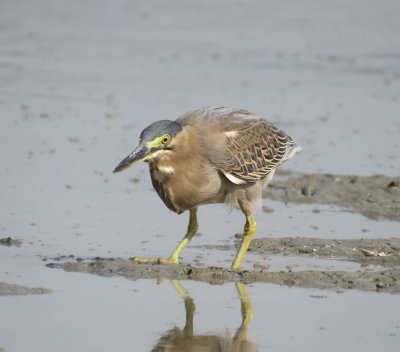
80 80
91 313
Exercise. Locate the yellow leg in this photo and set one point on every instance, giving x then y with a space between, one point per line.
248 233
174 257
191 231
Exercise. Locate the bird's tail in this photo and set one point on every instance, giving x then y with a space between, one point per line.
290 152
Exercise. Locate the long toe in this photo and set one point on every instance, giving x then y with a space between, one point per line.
167 261
155 260
144 260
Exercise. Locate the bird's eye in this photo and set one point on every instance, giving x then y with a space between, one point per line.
165 139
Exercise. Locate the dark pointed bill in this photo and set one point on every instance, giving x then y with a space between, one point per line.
137 155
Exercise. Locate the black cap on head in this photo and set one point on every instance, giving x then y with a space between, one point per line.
159 128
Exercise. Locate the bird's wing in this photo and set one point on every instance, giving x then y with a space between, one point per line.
218 119
243 146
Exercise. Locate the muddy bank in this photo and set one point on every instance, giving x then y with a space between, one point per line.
385 280
383 253
376 197
7 289
8 241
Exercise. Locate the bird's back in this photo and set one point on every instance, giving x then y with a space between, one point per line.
242 145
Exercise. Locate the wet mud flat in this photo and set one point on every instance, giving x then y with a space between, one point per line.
7 289
382 253
376 197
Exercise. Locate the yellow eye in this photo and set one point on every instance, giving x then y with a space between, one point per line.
165 139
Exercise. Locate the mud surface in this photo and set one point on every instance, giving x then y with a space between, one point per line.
8 241
376 197
383 253
7 289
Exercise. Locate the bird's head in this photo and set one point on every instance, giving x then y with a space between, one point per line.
153 139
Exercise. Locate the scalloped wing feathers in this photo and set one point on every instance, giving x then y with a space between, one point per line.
241 145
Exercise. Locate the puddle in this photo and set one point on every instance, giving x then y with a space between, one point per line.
88 312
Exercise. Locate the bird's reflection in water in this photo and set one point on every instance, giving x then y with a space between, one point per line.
185 340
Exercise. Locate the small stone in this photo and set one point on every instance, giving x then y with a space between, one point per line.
308 190
393 184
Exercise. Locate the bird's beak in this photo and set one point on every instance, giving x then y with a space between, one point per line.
139 154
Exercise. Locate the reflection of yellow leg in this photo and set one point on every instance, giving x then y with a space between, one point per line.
174 257
189 308
181 291
246 306
247 313
188 341
248 233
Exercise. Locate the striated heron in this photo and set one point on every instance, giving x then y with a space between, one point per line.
211 155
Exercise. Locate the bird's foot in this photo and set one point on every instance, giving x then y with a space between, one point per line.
167 261
155 260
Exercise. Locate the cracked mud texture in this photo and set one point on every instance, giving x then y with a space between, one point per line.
376 197
7 289
385 280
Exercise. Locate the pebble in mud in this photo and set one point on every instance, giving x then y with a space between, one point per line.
267 209
308 190
318 296
262 266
